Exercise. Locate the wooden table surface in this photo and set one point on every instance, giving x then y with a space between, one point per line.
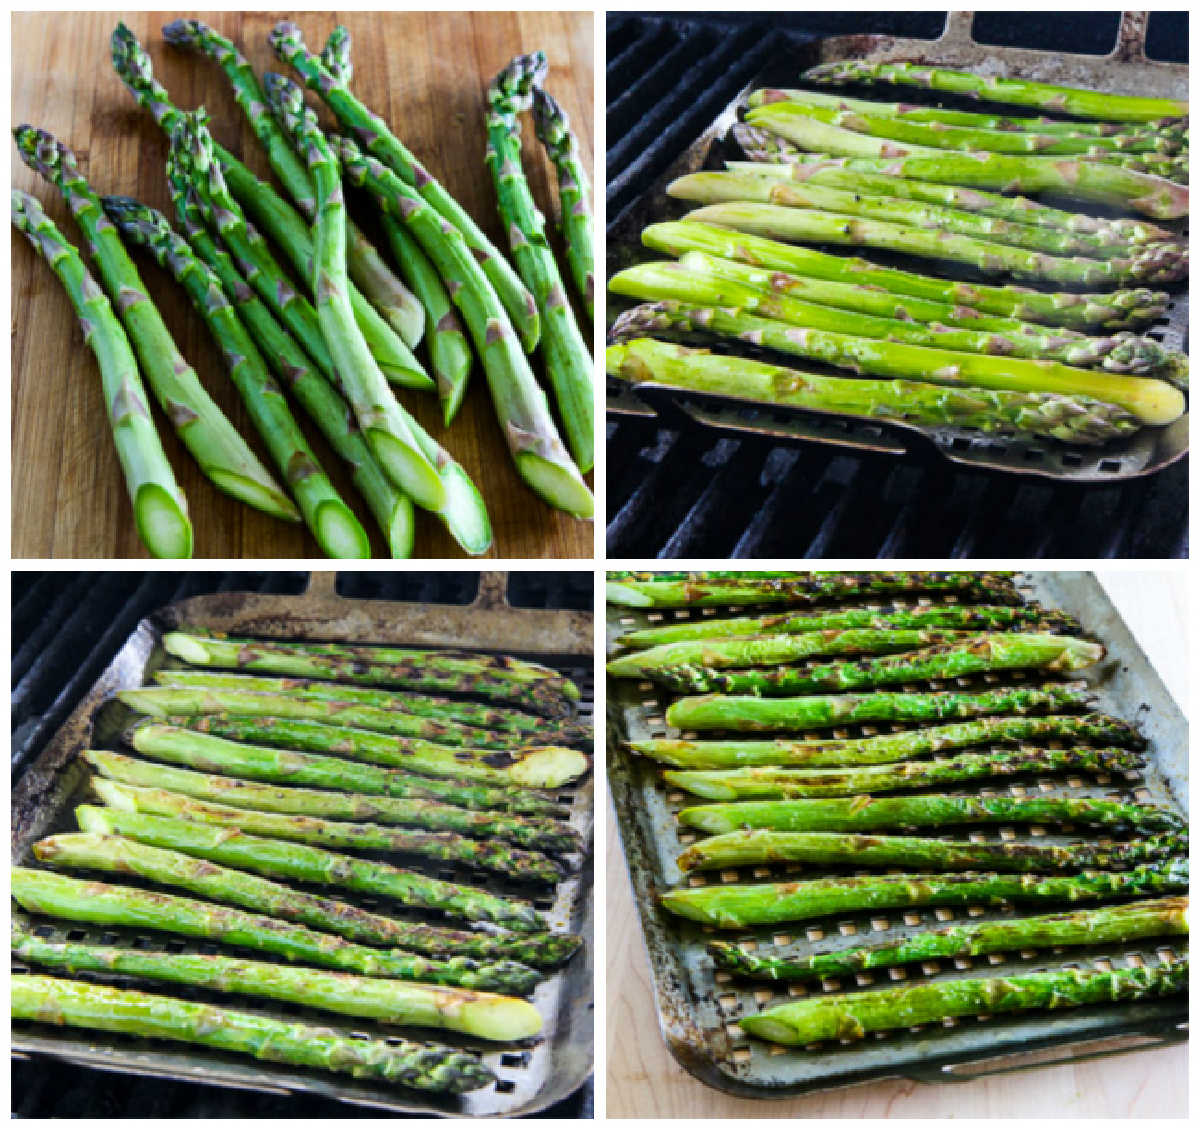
426 74
643 1080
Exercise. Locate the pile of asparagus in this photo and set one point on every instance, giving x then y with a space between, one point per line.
1054 353
827 651
310 307
257 765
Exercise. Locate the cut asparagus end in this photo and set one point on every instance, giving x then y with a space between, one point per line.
548 767
255 494
400 529
191 649
452 398
114 794
143 702
700 784
465 513
338 532
558 485
90 819
767 1029
408 469
497 1018
405 376
162 523
617 593
1157 402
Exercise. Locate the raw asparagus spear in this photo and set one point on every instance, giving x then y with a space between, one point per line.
483 1015
520 404
1112 310
392 509
749 713
1091 181
521 865
771 783
567 361
80 900
855 1014
332 523
215 444
541 834
375 136
82 1004
1154 263
159 507
872 201
476 715
869 814
398 305
536 767
1013 91
994 652
762 845
554 132
172 698
999 617
883 350
905 111
800 589
1151 918
497 678
1079 420
261 763
737 905
883 748
292 860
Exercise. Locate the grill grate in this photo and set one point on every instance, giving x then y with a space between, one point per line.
672 484
57 618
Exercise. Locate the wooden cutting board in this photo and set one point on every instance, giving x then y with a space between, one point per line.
426 74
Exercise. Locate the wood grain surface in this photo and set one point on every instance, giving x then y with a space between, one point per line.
426 73
643 1080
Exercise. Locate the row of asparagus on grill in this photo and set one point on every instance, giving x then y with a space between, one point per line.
222 828
341 340
850 802
934 184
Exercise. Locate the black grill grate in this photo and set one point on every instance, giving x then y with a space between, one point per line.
681 491
66 628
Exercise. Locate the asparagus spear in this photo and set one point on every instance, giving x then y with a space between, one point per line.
475 715
805 588
737 905
540 834
875 200
278 219
82 1004
398 306
292 860
881 352
1110 310
869 814
749 713
159 507
173 698
762 845
553 129
993 88
261 763
1152 263
333 524
213 441
496 678
1151 918
484 1015
392 509
767 783
567 361
904 111
882 748
1078 179
996 652
375 136
523 866
79 900
536 767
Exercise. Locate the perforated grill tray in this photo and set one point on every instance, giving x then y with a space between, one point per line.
530 1077
698 1007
